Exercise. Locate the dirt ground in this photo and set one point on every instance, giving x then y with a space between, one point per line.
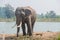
36 36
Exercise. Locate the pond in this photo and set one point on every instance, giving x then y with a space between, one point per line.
6 27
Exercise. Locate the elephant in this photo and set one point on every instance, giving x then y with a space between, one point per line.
25 15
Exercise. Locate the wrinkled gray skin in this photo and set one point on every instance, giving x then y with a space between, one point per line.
25 15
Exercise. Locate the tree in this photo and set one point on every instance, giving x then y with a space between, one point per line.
9 11
42 15
50 14
47 15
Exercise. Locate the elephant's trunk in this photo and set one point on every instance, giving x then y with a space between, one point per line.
18 28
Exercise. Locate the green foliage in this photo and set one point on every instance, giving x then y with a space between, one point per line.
7 11
59 37
50 14
42 15
48 17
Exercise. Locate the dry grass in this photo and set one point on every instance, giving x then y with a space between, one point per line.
36 36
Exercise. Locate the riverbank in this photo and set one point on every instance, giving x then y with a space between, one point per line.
36 36
37 19
7 19
48 19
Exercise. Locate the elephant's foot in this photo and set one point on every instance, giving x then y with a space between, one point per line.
24 34
27 33
17 35
30 34
18 28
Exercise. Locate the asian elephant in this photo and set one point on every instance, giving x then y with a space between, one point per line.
25 15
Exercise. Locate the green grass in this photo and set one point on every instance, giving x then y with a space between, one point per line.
59 37
48 19
7 19
37 19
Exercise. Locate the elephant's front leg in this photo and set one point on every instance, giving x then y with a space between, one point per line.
29 26
23 29
18 28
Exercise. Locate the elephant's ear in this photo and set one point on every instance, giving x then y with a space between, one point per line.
27 12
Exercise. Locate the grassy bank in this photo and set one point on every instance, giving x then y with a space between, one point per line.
38 19
58 37
7 19
48 19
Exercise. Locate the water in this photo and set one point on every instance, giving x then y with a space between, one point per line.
6 27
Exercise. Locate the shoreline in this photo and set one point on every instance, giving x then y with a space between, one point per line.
35 33
35 36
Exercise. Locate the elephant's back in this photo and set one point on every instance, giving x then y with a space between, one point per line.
30 10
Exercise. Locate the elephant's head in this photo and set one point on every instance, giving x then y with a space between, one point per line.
19 11
19 14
